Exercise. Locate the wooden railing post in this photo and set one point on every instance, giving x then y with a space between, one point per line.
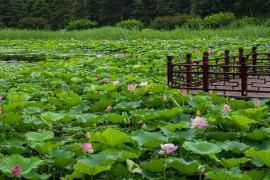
169 70
243 72
188 70
227 63
254 59
205 70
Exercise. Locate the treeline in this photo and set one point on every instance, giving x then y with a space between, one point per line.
56 14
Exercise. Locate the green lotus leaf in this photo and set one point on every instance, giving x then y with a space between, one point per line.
79 108
46 147
62 158
149 140
113 118
119 170
111 137
262 155
258 134
102 104
51 116
233 162
69 99
227 175
233 146
222 136
154 165
179 135
242 121
18 96
13 149
165 114
27 164
35 176
32 110
202 148
106 87
38 137
97 163
183 166
124 106
256 174
254 113
178 126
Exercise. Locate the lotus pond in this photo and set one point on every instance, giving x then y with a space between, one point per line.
102 110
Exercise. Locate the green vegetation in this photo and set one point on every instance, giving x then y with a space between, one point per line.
169 22
102 109
81 24
131 24
83 91
112 33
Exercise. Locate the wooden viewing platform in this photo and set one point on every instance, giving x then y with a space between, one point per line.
242 76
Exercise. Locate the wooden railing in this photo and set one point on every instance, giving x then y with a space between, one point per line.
244 75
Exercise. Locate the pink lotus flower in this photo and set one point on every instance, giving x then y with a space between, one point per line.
167 149
210 51
116 83
257 103
87 147
16 170
105 80
109 108
132 87
144 126
227 108
199 122
87 135
1 98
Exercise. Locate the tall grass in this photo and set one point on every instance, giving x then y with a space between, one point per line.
112 33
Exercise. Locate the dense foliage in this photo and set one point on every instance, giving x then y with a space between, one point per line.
81 24
102 109
131 24
169 22
2 25
33 23
108 12
218 20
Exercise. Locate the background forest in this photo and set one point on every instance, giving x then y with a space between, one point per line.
56 14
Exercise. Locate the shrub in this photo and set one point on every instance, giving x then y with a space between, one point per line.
33 23
81 24
194 23
169 22
244 21
267 22
131 24
2 25
219 20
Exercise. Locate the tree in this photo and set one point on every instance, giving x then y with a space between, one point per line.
252 8
11 11
61 13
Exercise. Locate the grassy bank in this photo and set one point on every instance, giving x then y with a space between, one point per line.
112 33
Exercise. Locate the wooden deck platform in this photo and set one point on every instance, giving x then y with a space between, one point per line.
258 86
